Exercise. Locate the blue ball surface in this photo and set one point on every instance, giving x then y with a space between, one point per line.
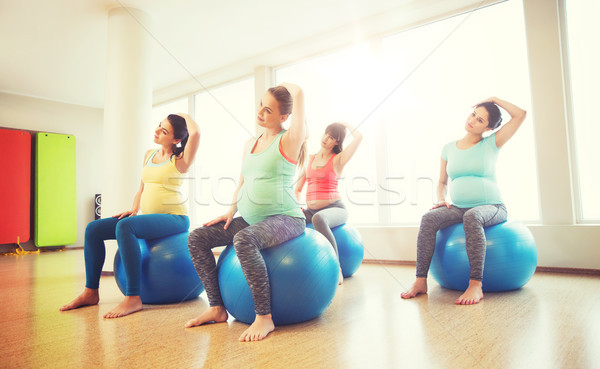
303 274
350 245
510 259
168 275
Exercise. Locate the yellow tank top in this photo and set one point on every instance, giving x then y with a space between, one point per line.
162 188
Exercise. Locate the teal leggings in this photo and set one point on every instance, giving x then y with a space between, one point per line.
126 231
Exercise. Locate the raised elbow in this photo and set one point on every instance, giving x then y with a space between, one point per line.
523 114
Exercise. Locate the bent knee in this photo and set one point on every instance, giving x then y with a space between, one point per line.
92 228
243 239
473 218
318 220
124 226
197 234
430 219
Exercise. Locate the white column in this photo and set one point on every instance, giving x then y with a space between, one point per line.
548 100
127 110
263 80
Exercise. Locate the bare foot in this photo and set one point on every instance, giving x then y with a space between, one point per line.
130 305
216 314
262 326
419 287
341 278
472 295
87 297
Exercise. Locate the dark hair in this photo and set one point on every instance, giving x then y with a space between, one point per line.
337 131
179 132
494 115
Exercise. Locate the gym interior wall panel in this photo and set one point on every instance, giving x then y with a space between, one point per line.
15 186
55 211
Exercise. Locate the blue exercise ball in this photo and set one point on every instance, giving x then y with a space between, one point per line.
168 275
303 273
510 258
351 248
350 245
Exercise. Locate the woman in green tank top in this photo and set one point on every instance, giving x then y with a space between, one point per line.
270 214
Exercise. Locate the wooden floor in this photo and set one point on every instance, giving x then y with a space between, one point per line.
553 322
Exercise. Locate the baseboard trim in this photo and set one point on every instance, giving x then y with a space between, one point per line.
543 269
539 269
389 262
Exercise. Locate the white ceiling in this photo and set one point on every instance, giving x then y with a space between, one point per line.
56 49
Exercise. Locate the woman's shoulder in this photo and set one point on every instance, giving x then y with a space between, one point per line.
491 141
447 148
249 142
490 137
335 158
248 145
449 145
148 153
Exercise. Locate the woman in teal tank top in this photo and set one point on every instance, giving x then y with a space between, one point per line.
471 165
270 214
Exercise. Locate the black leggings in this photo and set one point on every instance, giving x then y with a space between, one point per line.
473 219
248 240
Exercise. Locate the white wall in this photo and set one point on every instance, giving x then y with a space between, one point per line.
84 123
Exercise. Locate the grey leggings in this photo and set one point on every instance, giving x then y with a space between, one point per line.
473 219
324 219
247 240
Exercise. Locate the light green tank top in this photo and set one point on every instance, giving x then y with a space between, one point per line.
473 173
268 184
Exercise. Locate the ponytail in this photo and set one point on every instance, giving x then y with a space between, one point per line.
178 149
179 132
302 156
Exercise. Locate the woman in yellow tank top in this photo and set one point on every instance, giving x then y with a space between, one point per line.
163 213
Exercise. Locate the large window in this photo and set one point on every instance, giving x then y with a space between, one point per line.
409 94
338 87
584 59
481 57
226 116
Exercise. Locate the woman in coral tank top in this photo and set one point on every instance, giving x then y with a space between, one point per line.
325 208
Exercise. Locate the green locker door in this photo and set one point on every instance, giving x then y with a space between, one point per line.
55 200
